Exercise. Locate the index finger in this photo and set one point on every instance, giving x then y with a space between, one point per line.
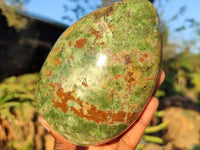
160 80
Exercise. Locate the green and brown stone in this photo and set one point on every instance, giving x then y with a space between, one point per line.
101 72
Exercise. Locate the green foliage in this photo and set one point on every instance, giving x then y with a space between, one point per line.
16 92
153 139
10 12
196 147
157 128
195 80
182 75
148 137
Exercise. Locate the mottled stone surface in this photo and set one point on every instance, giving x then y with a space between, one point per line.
101 72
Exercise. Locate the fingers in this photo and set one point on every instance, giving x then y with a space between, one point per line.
131 138
44 123
55 135
160 80
60 142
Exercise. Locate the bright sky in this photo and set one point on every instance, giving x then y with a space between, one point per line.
170 8
54 10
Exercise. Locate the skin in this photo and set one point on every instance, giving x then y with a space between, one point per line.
128 141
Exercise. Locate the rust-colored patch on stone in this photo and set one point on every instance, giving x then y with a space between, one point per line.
109 96
94 114
127 59
69 62
84 83
133 77
71 57
61 105
133 74
117 95
64 97
80 43
52 87
122 116
117 77
57 61
57 49
111 27
97 34
70 43
118 117
48 73
102 43
91 113
45 85
108 12
130 117
123 57
144 57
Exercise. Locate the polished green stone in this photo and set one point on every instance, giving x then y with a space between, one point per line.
101 72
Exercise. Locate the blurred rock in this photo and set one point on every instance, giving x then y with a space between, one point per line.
49 142
178 101
184 127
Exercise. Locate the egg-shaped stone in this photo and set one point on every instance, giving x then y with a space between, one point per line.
101 72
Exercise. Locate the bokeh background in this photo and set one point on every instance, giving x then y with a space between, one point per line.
28 30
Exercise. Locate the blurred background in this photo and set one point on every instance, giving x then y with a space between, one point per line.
28 30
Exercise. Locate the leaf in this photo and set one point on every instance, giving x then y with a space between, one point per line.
190 20
67 18
198 32
153 139
182 10
6 98
180 28
156 128
174 18
7 114
195 79
10 104
160 93
23 97
10 80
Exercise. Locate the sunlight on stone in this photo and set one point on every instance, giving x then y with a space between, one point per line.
101 60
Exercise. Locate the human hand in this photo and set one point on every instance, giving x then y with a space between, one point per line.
128 141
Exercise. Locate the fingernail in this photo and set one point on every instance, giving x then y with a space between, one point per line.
43 123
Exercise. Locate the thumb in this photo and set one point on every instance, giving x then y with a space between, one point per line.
60 142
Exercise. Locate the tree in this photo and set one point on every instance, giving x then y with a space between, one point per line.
9 9
76 9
